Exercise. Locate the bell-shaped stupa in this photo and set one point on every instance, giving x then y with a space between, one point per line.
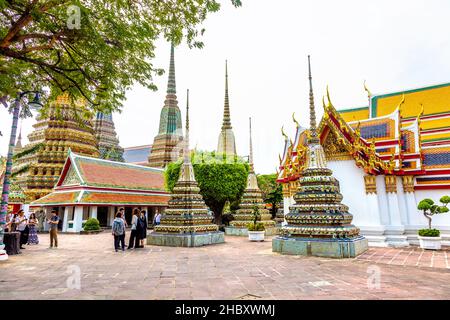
186 222
251 199
318 223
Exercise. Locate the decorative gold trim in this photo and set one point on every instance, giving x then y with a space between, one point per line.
408 184
370 183
391 184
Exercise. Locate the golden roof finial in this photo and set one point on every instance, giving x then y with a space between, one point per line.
401 102
283 133
369 94
358 129
295 120
328 97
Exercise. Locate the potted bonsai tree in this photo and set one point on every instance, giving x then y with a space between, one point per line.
431 238
256 230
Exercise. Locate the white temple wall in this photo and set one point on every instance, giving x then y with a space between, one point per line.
351 180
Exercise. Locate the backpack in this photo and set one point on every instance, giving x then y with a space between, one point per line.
117 228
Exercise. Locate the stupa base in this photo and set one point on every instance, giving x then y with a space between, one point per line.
329 248
243 232
185 239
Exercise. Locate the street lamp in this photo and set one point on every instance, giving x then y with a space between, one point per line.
34 104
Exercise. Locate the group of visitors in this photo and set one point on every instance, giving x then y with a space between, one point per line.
26 226
138 229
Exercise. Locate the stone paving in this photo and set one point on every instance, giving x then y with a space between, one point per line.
236 269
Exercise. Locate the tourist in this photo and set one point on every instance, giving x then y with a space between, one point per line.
118 231
134 238
8 221
122 214
157 219
32 225
142 228
22 226
53 222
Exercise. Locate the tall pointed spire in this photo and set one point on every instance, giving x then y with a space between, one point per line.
251 199
171 84
318 220
167 146
19 138
312 112
315 156
226 109
187 170
250 157
186 138
226 143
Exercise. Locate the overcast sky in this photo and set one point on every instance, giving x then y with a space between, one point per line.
394 45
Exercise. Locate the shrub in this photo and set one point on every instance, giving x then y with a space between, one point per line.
256 227
429 233
91 224
429 208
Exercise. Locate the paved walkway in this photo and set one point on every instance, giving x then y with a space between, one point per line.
237 269
410 256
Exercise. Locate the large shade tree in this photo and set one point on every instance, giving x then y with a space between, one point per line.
91 49
220 180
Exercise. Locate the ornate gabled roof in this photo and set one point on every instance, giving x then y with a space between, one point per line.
100 173
396 141
91 181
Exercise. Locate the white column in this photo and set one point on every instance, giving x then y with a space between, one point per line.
110 216
78 219
94 212
372 227
402 202
67 214
395 230
286 204
382 201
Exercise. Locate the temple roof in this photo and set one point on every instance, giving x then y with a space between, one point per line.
95 172
396 141
86 180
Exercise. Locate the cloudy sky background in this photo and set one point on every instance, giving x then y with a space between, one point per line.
393 45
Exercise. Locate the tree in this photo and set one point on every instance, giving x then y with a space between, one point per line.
219 181
272 191
92 49
429 208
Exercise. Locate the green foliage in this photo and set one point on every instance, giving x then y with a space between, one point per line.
272 191
20 170
218 181
33 149
42 45
171 175
256 227
91 224
429 208
429 233
445 199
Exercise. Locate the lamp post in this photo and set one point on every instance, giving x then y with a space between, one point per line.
16 111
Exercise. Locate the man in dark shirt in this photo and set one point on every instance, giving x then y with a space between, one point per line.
53 222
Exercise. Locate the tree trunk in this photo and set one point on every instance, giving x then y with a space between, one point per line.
429 220
218 209
7 178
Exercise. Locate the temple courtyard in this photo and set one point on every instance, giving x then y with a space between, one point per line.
86 267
